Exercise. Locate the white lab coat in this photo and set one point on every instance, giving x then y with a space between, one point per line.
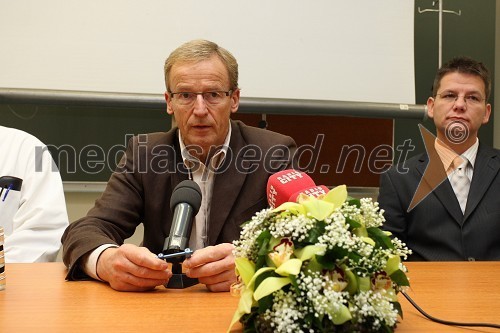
34 218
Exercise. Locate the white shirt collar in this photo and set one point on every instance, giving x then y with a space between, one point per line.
447 155
471 153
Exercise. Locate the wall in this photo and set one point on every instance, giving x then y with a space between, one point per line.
120 46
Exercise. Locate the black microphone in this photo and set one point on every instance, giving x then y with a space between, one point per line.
185 203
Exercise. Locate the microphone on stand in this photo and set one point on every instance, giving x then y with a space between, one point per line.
287 185
185 203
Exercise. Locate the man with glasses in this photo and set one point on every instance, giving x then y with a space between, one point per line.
458 218
229 161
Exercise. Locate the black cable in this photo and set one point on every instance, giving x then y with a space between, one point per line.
446 322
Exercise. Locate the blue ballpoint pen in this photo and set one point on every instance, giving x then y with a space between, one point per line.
9 183
7 192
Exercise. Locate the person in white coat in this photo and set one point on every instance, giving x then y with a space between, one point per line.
32 205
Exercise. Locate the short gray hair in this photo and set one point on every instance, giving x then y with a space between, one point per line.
198 50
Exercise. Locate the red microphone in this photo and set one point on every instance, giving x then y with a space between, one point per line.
283 185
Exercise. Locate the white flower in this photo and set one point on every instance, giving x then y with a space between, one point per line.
285 313
343 266
373 305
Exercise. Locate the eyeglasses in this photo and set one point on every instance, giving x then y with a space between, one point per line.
470 99
210 97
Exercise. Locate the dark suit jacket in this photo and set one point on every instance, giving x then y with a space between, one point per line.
436 229
139 191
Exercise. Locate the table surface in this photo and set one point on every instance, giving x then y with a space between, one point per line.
37 297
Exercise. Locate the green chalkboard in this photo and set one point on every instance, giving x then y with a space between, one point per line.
470 34
86 143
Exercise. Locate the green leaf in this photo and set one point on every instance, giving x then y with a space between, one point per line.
386 329
354 202
327 261
295 285
315 232
354 256
398 308
381 238
352 223
311 320
266 303
399 277
261 261
249 322
262 274
263 241
269 286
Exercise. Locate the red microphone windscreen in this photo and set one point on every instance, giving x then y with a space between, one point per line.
314 191
283 184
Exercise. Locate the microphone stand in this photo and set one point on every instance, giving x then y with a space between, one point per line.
185 203
178 280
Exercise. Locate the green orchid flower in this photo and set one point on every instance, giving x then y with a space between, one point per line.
246 271
319 208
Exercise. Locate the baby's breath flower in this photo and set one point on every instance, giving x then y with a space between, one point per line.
295 227
285 315
371 305
246 246
342 273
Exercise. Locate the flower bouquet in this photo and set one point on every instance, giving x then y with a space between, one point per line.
319 265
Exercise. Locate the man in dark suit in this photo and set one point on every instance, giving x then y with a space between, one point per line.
230 162
456 214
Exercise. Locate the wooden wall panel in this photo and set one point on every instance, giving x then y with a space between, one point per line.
336 150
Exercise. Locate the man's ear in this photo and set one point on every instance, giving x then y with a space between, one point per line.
430 107
235 100
169 101
487 114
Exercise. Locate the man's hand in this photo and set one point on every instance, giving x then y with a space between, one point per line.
132 268
213 266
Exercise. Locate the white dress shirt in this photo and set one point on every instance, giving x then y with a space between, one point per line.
203 176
